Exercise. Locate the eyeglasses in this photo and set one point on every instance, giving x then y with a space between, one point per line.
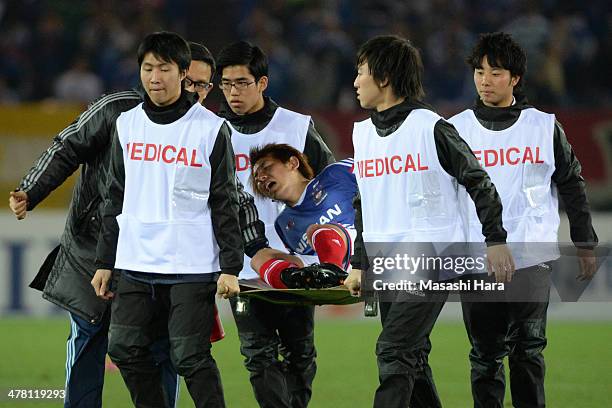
198 85
239 85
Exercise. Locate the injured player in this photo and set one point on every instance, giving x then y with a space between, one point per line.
317 221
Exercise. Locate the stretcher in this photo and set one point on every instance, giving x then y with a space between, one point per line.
338 295
332 296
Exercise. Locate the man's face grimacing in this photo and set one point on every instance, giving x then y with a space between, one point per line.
242 92
161 79
198 79
495 85
273 178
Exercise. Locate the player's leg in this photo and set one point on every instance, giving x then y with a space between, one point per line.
527 340
333 245
85 353
190 320
296 331
486 325
270 263
281 274
331 242
402 348
134 309
259 344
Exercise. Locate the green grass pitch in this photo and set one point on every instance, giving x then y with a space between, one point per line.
579 360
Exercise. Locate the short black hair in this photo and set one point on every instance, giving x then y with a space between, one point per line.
394 59
501 52
200 53
166 46
244 53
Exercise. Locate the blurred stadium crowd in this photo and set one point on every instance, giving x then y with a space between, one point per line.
74 50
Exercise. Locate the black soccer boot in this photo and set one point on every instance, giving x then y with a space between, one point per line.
297 278
327 275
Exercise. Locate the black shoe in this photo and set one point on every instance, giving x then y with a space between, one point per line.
327 275
297 278
315 276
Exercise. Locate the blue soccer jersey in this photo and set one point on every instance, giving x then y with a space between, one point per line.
328 198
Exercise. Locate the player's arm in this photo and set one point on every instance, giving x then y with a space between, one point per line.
317 152
572 190
458 160
78 143
109 230
223 202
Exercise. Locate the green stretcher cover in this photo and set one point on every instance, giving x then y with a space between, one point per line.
332 296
